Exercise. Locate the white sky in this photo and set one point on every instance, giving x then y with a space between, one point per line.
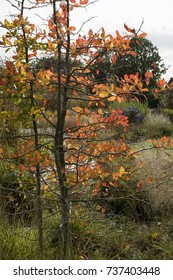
112 14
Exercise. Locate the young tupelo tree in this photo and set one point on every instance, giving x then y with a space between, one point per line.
83 132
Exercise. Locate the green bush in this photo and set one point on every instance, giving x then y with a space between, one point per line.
126 198
166 104
155 126
142 107
8 132
16 194
128 201
168 113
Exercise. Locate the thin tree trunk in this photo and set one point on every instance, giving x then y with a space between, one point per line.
36 145
59 139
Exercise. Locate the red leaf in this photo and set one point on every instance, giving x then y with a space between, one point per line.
83 2
148 74
113 58
129 29
161 83
103 31
22 167
143 35
90 33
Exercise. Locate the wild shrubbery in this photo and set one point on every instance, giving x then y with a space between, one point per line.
16 195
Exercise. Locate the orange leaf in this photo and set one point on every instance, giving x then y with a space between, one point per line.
78 109
3 81
9 65
72 28
100 111
46 162
12 165
103 33
129 29
148 74
113 58
32 168
161 83
22 167
83 2
90 33
143 35
122 171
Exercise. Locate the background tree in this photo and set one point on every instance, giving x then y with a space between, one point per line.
146 58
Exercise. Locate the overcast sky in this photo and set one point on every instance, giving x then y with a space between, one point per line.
112 14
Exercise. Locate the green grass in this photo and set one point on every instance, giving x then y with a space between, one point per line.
93 237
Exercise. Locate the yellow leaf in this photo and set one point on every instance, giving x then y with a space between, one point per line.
72 28
7 42
104 94
115 175
122 171
22 70
78 109
50 45
112 98
45 188
100 111
12 166
150 180
140 164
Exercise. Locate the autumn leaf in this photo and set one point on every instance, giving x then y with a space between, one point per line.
10 66
112 98
115 175
3 81
45 188
113 58
148 74
142 35
104 94
22 167
90 33
78 109
72 28
6 41
12 166
103 32
100 111
83 2
122 171
51 45
47 162
161 83
129 29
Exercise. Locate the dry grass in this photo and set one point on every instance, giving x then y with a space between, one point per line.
158 167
